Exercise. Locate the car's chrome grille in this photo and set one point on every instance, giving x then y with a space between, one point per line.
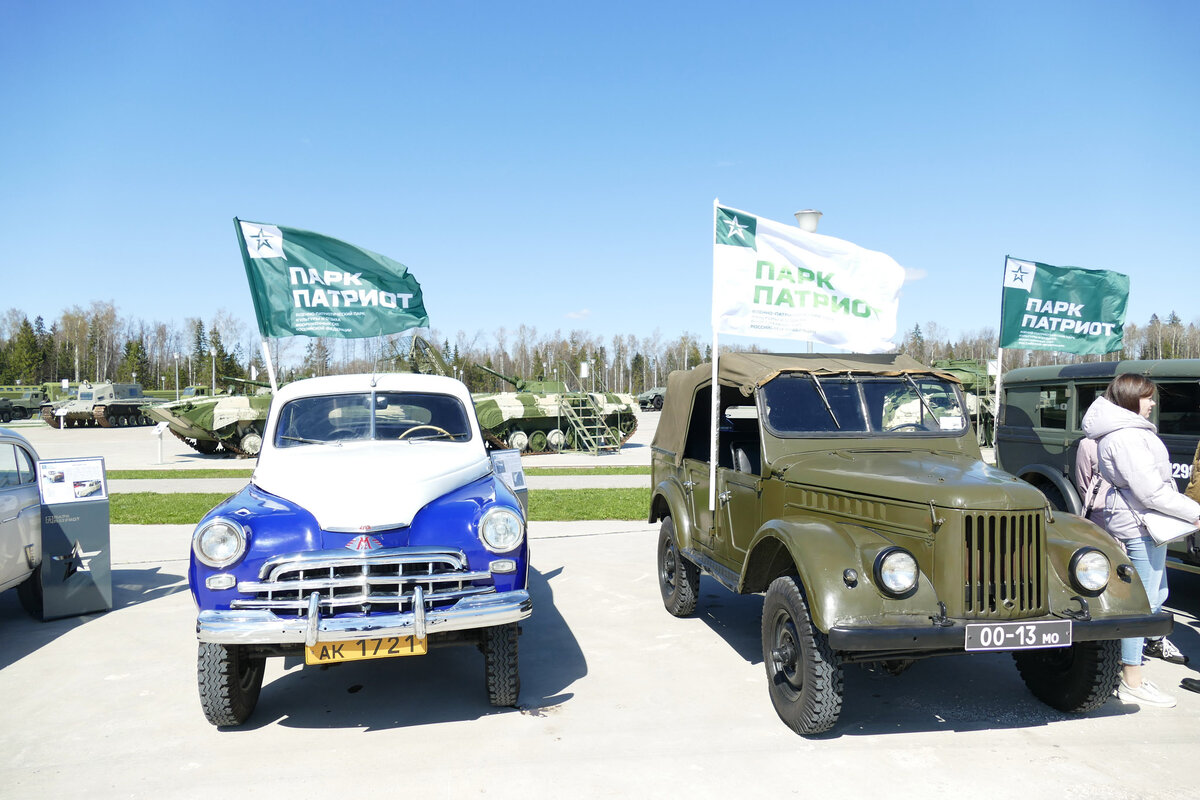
1003 563
381 581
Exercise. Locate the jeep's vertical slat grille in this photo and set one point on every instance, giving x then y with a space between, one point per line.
1003 555
381 581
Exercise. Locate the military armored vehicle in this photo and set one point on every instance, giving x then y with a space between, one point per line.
7 412
222 423
544 416
108 405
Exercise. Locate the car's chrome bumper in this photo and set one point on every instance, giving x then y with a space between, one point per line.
238 626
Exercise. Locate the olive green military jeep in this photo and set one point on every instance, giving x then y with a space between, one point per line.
850 489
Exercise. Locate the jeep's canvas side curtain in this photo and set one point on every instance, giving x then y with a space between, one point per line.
308 284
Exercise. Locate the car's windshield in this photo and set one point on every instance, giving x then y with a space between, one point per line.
409 416
807 404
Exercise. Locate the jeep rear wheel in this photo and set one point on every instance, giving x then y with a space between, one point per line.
678 578
229 681
1074 679
804 674
500 664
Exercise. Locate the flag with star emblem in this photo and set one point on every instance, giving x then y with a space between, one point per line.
778 281
1065 309
309 284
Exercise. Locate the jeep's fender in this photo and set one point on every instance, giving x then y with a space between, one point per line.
1039 475
1066 536
819 551
669 500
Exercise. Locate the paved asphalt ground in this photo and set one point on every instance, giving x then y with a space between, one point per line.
618 698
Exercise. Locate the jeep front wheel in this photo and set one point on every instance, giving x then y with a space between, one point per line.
678 578
500 664
1074 679
804 674
229 681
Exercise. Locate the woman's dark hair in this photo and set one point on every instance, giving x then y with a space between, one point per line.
1127 390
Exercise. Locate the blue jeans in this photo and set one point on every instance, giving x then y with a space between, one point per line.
1150 561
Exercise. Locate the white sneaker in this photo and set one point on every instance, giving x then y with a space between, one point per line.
1145 695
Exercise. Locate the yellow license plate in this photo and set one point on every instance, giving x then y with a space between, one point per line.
387 647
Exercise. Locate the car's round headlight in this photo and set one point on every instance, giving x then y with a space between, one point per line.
219 542
896 571
501 530
1090 570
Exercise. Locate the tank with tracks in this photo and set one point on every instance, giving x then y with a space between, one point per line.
544 416
222 424
106 405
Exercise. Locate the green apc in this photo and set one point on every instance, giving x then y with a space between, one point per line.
850 490
544 416
226 423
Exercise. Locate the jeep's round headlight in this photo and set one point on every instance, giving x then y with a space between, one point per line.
896 571
219 542
501 530
1090 570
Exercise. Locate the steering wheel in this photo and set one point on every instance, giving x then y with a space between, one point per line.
439 431
916 426
341 433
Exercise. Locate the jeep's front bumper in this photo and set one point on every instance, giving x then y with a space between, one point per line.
952 636
239 626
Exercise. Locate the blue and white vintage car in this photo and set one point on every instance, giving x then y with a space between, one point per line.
373 527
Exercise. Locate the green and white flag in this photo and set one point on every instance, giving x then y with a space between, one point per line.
309 284
1067 309
778 281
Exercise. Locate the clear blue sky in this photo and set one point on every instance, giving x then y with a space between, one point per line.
555 163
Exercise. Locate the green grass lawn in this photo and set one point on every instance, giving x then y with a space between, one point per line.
149 508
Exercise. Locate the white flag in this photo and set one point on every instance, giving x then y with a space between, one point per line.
778 281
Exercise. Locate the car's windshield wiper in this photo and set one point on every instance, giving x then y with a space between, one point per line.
302 440
920 395
825 400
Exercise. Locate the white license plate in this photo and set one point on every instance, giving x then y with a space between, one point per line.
1018 635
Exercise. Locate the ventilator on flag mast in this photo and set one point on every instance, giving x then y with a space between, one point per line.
307 284
773 280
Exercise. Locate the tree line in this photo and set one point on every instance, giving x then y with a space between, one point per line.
98 344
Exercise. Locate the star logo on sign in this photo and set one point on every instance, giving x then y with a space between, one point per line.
736 228
261 240
77 560
1018 274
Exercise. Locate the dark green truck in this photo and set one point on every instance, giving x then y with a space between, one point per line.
850 490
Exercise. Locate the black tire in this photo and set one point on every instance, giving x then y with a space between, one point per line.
658 402
500 664
678 578
229 682
5 416
1074 679
19 413
30 593
804 675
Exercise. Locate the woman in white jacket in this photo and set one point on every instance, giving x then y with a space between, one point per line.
1134 460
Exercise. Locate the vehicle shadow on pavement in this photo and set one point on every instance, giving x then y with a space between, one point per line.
446 685
955 693
24 635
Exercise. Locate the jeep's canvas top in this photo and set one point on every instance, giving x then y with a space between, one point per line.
748 371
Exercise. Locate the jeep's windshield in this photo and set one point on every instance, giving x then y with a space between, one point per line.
796 404
407 416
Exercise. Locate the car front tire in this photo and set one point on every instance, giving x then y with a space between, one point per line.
500 664
1074 679
804 674
229 681
678 578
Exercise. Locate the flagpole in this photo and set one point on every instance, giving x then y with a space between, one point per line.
999 354
716 389
270 366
